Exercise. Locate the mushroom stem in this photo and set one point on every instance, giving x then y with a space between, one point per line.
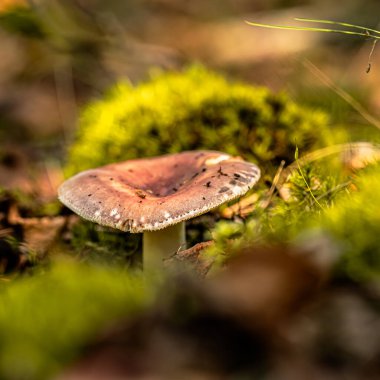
161 244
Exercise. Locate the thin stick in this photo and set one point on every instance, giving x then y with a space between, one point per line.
343 94
276 178
370 56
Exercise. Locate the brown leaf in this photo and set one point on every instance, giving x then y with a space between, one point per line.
38 233
192 257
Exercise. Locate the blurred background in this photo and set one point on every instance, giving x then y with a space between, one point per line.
57 55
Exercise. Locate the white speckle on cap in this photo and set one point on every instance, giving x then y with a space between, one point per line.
236 190
97 213
217 160
117 216
167 215
113 212
142 219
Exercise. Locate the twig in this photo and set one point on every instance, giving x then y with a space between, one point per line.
342 93
265 203
370 56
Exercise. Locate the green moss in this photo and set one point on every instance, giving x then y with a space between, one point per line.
194 109
315 187
46 319
347 216
354 222
94 243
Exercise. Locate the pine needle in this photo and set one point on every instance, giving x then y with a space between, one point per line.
304 179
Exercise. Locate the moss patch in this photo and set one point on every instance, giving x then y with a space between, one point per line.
193 109
46 319
346 222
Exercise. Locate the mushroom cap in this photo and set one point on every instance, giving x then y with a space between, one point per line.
153 193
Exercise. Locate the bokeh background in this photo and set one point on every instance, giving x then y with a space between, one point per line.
58 55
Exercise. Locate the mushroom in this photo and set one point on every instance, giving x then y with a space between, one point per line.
157 195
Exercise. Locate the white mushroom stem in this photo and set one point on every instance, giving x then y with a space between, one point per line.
161 244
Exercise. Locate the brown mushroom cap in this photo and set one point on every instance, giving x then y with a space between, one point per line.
154 193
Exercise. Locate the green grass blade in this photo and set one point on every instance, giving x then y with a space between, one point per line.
309 29
338 23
